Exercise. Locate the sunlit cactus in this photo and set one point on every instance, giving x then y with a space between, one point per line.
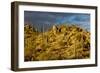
60 42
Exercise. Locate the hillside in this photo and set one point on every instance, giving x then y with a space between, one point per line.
58 43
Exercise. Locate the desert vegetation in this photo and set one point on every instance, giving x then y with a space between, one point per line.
60 42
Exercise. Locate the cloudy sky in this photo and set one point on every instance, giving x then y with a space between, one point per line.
47 19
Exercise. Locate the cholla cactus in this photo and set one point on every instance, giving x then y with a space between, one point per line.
59 43
54 29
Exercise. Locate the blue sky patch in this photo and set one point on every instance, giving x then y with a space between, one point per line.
45 20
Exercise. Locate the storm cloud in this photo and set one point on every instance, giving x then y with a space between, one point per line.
45 20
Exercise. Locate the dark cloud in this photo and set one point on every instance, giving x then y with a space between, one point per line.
47 19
